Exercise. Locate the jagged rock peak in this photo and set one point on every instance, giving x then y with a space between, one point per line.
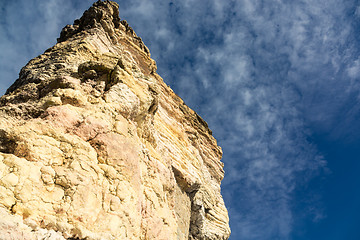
102 14
94 145
99 15
101 19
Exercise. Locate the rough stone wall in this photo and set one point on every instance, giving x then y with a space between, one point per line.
94 145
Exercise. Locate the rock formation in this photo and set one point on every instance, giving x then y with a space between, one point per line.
94 145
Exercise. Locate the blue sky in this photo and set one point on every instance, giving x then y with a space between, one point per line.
278 81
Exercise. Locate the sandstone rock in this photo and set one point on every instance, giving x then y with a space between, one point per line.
94 145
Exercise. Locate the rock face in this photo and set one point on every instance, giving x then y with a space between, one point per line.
94 145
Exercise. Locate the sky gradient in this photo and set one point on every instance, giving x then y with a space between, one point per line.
278 81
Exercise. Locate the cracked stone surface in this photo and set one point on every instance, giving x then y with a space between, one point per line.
94 145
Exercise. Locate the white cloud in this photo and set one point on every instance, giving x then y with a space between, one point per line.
354 70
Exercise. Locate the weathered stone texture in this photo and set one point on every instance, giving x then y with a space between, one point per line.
94 145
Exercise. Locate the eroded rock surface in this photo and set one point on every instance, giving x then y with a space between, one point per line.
94 145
